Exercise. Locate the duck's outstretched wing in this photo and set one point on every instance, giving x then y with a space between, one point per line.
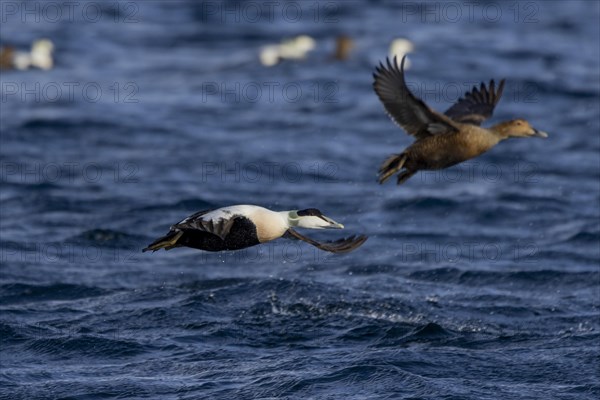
343 245
406 110
477 105
205 221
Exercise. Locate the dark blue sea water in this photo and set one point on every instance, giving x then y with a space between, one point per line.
478 282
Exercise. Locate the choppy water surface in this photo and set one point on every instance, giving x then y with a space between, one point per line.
481 281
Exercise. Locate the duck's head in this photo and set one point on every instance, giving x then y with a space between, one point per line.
311 218
519 128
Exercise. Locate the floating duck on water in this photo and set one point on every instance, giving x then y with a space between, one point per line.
442 140
40 56
241 226
343 47
7 55
292 49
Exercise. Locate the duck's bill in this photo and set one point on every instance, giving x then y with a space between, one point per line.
541 134
332 223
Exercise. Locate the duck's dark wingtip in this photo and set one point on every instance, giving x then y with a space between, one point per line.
402 63
501 84
500 89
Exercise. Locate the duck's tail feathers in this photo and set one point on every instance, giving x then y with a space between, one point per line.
166 242
390 166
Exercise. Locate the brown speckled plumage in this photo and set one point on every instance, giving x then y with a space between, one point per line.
442 140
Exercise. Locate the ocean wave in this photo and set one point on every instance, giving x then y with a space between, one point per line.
15 293
517 278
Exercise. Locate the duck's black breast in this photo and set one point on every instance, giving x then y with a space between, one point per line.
241 235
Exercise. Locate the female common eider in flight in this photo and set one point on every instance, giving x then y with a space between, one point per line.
442 140
241 226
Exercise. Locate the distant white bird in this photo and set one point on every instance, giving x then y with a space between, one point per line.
241 226
292 49
399 48
40 56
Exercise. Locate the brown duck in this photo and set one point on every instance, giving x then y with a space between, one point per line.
442 140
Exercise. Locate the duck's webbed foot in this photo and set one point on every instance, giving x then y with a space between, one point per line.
404 176
390 166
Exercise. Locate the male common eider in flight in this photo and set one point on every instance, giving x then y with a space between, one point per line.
241 226
442 140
